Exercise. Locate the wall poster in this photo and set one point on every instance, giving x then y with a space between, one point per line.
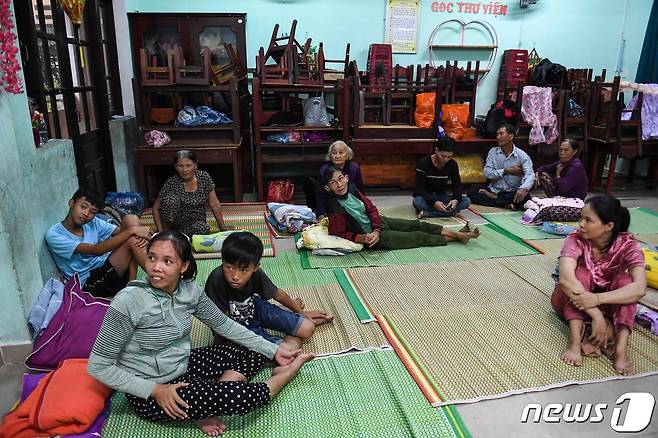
402 19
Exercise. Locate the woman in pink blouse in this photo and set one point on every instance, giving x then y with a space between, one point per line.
601 280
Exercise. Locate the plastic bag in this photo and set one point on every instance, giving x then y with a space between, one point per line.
315 112
424 113
126 202
455 119
156 138
280 190
202 115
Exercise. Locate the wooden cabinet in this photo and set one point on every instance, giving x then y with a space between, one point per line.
304 155
199 40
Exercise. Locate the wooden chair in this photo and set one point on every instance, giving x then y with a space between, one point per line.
308 70
333 75
465 90
192 74
281 50
221 74
151 73
608 134
370 106
401 97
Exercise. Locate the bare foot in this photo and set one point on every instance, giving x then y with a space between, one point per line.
623 365
488 193
421 214
590 350
212 426
571 355
465 236
511 207
294 367
466 227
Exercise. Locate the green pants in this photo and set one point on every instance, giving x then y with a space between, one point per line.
403 233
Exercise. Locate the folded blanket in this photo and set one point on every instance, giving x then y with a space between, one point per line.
210 242
317 237
291 215
30 382
46 306
65 402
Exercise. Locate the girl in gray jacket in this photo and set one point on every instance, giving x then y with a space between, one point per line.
143 347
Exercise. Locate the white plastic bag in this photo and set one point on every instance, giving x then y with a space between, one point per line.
315 112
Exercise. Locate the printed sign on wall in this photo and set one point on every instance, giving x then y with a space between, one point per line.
402 25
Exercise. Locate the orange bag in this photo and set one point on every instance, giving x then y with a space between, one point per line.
280 190
424 113
455 119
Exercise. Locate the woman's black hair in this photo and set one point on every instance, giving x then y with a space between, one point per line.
182 246
185 153
242 248
329 173
609 209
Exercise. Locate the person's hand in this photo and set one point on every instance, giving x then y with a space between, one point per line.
585 300
284 356
440 206
372 238
141 231
169 400
599 335
520 195
300 302
514 170
319 317
558 169
452 204
140 242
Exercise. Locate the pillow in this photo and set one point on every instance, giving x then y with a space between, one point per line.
72 331
558 213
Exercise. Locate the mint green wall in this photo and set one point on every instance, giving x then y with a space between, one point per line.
581 33
34 187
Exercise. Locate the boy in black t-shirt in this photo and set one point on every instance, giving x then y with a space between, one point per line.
242 290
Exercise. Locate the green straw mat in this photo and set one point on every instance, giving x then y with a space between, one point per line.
479 209
492 351
493 242
331 397
510 221
643 221
493 332
548 246
408 212
395 290
250 217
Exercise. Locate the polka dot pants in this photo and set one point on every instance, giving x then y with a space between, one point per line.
205 395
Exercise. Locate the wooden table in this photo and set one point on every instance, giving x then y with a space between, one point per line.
206 153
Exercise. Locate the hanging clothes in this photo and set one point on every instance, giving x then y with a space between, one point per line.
649 112
537 111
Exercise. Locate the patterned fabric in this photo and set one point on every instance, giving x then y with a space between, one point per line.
558 213
649 113
186 210
536 109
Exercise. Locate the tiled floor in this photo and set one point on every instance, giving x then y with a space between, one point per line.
493 418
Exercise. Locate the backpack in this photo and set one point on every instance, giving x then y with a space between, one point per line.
547 73
500 113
